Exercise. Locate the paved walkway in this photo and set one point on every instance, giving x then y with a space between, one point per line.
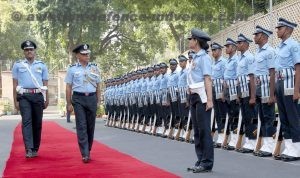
167 154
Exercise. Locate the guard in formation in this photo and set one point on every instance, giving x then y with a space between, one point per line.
243 89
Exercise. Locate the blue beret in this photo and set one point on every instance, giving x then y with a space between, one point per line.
28 45
150 69
230 41
243 38
173 61
259 29
215 45
182 58
83 49
196 33
284 22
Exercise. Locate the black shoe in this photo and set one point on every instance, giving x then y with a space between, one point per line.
192 168
29 153
229 147
34 153
85 159
181 139
287 158
201 169
244 150
264 154
217 145
277 157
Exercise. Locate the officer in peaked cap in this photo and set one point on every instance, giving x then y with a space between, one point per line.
287 89
83 92
201 103
30 80
172 86
183 104
265 95
230 92
246 95
218 69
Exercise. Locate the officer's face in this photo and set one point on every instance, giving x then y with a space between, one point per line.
281 31
192 43
173 67
241 45
216 53
228 49
257 38
83 57
29 53
182 64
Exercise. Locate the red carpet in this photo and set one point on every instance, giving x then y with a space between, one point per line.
59 156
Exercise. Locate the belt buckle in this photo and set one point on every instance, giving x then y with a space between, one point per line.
86 94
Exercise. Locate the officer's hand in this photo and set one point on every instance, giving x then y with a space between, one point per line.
223 98
46 103
17 106
209 105
271 100
252 101
237 100
69 108
296 96
187 104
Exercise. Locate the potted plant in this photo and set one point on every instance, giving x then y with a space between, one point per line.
8 109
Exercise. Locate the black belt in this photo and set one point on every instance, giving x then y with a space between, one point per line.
83 94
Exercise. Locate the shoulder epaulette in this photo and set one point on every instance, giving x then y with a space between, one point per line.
94 64
71 65
20 60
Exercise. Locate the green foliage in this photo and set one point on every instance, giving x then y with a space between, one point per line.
100 110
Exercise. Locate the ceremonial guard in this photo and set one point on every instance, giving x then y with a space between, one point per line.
288 89
218 69
183 104
83 92
265 91
230 93
246 95
172 96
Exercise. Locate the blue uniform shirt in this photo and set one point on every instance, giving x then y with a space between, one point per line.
265 60
201 66
218 68
163 81
288 54
230 68
172 79
156 85
246 64
83 79
182 78
37 68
